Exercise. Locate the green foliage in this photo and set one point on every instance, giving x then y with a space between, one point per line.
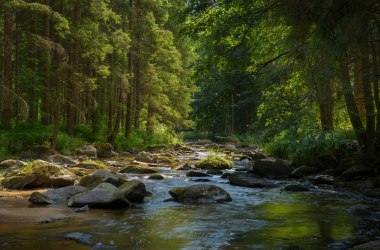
140 139
214 161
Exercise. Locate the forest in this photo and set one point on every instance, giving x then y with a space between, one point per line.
289 84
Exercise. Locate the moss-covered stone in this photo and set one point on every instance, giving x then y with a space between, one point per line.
138 170
156 177
39 198
101 176
104 150
214 162
37 174
92 164
134 190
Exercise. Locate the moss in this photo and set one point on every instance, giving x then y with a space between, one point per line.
214 162
138 170
92 164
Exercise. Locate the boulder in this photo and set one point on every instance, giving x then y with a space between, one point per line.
11 164
91 164
138 170
38 152
322 179
101 176
200 193
272 168
372 245
295 188
134 190
225 175
185 167
87 150
304 171
144 157
326 161
356 172
39 198
214 172
258 156
105 195
156 177
164 160
214 162
37 174
230 147
61 160
63 193
247 180
196 174
104 150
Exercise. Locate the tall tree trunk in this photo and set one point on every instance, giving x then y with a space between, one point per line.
129 112
45 105
57 104
33 101
375 49
149 119
72 106
8 77
115 131
325 103
359 88
350 102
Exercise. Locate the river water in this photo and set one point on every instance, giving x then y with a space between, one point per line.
255 219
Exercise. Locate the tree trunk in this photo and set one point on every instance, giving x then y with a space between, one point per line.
350 103
375 49
45 105
8 77
57 104
129 112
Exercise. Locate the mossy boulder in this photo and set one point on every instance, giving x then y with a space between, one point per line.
61 160
134 190
214 162
37 174
104 195
272 168
92 164
39 198
38 152
14 164
156 177
144 157
164 160
101 176
104 150
132 169
87 150
200 193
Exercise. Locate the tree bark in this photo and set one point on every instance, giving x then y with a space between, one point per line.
8 77
45 105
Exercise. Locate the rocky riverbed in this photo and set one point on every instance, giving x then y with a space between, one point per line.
184 197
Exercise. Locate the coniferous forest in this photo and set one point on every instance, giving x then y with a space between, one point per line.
275 102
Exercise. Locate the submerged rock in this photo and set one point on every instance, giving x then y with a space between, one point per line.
200 193
304 171
295 188
138 170
11 164
134 190
272 168
196 174
37 174
88 150
104 150
105 195
156 177
39 198
247 180
81 238
101 176
214 162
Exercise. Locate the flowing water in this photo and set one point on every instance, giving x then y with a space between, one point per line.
255 219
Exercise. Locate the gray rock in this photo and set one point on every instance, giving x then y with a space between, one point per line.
200 193
247 180
225 175
322 179
156 177
134 190
87 150
61 160
138 170
63 193
230 147
372 245
356 171
101 176
214 172
272 168
304 171
105 195
11 164
196 174
104 150
81 238
39 198
144 157
81 209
